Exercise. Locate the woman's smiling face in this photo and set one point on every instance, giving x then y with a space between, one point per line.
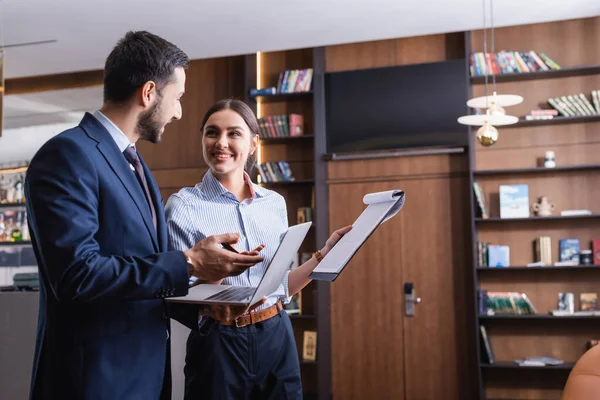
227 142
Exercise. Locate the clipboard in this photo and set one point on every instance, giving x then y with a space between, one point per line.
381 206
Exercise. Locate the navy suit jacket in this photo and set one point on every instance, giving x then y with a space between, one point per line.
104 272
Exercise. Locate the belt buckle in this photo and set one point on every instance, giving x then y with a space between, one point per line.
237 324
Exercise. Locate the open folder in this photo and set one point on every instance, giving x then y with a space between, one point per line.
381 206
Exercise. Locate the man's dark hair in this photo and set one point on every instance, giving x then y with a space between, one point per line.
137 58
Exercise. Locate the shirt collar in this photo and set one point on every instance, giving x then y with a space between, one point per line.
213 188
118 136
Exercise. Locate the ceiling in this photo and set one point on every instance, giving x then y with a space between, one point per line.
50 107
86 30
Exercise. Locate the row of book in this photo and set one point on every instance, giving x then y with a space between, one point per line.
569 253
576 105
295 80
509 62
290 81
281 125
275 171
492 303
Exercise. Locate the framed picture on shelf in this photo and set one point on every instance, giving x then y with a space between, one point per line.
294 307
309 346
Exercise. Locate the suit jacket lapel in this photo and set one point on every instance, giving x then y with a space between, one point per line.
161 225
117 162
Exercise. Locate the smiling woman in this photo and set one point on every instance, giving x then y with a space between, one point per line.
231 358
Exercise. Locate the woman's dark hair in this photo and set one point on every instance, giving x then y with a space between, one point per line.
137 58
247 115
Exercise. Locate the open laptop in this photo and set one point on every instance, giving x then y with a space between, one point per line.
247 295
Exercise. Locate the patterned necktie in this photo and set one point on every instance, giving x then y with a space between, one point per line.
132 157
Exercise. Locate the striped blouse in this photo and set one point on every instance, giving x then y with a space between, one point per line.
206 209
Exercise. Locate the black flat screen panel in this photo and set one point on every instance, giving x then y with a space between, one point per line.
396 107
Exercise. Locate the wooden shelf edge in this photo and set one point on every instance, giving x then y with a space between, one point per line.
556 121
538 75
22 243
549 267
512 365
536 317
535 170
552 218
283 139
13 205
281 96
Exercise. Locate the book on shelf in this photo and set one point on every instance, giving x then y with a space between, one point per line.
498 256
504 303
272 171
487 345
281 125
588 301
268 91
539 362
574 105
514 201
572 213
543 250
509 62
569 249
295 80
481 209
482 253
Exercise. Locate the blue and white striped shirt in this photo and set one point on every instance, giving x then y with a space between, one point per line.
206 209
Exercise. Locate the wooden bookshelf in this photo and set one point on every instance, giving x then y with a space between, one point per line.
557 121
536 317
286 139
283 97
538 219
545 268
539 75
516 159
12 205
537 170
567 366
299 152
21 243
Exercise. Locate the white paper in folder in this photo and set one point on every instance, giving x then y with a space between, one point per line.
381 206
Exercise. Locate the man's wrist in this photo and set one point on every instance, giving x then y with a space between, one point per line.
190 263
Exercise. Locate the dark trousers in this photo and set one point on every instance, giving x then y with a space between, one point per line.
258 361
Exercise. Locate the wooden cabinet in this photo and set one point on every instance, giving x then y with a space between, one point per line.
377 351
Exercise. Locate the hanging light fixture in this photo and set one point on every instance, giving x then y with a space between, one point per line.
495 115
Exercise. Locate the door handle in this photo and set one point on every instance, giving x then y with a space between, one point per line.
409 299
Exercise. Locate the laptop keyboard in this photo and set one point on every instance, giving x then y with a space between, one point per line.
234 293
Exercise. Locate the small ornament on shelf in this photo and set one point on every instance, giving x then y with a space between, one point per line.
542 208
549 160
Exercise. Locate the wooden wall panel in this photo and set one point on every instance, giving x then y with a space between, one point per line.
390 168
570 43
573 144
392 52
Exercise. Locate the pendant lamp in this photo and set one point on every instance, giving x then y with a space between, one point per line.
494 104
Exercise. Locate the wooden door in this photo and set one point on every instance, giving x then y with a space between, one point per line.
434 239
377 352
366 306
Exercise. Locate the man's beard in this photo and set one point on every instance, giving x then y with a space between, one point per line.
148 125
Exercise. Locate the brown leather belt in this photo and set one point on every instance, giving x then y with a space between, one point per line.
255 316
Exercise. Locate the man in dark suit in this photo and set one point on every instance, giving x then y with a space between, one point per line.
98 227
